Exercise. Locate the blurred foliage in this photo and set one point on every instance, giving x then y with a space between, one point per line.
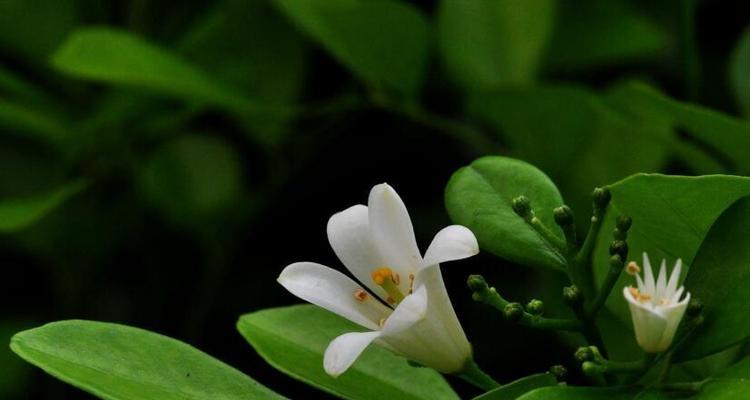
160 162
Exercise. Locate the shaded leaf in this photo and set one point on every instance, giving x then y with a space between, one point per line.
16 214
515 389
739 72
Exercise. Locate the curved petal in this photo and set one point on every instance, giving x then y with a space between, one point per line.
452 243
648 277
393 232
410 311
334 291
344 350
673 279
661 281
351 239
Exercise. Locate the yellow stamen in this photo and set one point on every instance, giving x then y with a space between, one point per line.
641 297
360 295
385 278
632 268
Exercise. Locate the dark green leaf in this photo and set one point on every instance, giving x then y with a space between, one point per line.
739 72
16 214
382 42
118 362
488 44
32 29
23 121
580 393
720 276
293 340
479 196
515 389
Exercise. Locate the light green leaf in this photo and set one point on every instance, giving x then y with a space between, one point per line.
515 389
594 33
489 44
16 214
671 217
122 58
580 393
739 72
382 42
720 276
479 197
293 340
117 362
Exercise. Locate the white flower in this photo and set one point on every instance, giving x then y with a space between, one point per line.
412 314
655 306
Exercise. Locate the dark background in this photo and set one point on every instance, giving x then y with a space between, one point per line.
186 220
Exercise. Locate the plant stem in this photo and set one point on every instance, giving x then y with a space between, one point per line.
474 375
547 234
615 269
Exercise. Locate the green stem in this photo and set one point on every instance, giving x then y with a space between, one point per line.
474 375
584 255
547 234
615 269
488 295
682 386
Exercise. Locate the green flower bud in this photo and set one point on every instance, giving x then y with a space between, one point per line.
560 372
624 223
601 197
522 206
591 368
476 283
620 248
535 307
584 354
572 295
616 263
694 308
563 215
513 312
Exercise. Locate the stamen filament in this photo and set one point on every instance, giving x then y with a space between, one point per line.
385 278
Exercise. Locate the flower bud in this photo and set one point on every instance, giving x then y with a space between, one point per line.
535 307
563 215
624 223
694 308
572 295
616 263
584 354
601 197
591 368
620 248
560 372
513 312
522 206
476 283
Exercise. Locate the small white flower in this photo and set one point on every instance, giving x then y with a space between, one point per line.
655 306
410 312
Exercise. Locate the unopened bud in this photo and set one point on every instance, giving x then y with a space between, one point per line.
584 354
616 263
624 223
572 295
620 248
560 372
591 368
522 206
601 197
563 216
476 283
513 312
694 308
535 307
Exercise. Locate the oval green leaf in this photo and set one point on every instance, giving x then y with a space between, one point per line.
117 362
479 197
515 389
16 214
293 340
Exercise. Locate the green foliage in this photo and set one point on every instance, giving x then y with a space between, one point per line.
117 362
739 69
487 44
16 214
293 340
384 43
479 197
517 388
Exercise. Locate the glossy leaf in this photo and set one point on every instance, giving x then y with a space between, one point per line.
488 44
515 389
671 217
16 214
122 58
480 195
382 42
719 277
580 393
293 340
118 362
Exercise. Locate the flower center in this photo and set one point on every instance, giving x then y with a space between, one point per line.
385 278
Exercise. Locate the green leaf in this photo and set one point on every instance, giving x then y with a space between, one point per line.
118 362
122 58
23 121
32 30
593 33
580 393
671 217
16 214
739 72
16 373
515 389
293 340
720 276
382 42
489 44
192 178
479 197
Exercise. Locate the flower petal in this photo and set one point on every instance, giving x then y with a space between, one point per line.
673 279
410 311
344 350
334 291
452 243
351 239
648 276
661 281
393 232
